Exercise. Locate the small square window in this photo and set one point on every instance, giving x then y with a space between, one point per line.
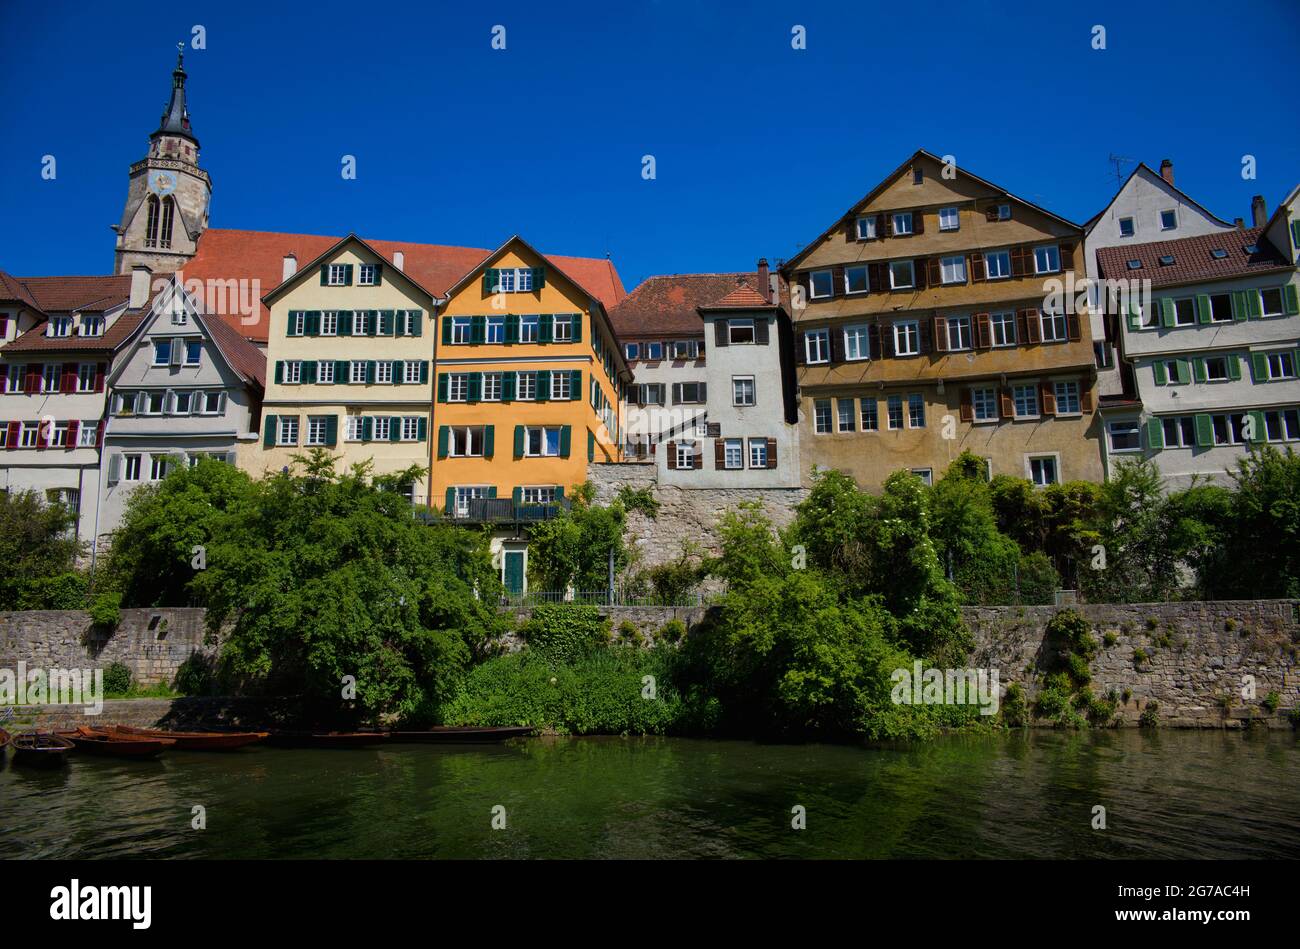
740 331
949 220
1126 228
821 284
867 228
902 275
902 222
1168 220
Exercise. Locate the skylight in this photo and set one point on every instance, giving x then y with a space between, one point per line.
1135 265
1218 253
1252 248
1166 260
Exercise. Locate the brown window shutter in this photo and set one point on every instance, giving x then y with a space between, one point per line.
873 340
919 272
885 337
719 454
983 331
697 457
940 334
1073 321
975 267
1085 395
967 407
761 331
851 229
933 273
1019 257
877 277
918 222
804 281
1047 396
837 280
1008 404
1067 257
771 452
836 336
672 454
1033 326
720 336
884 225
923 331
800 349
991 212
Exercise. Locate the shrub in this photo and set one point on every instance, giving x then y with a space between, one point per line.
1229 625
117 679
1110 639
1052 701
1079 670
674 631
1015 707
1150 717
628 632
106 610
1151 623
195 676
1272 701
1127 695
565 631
1140 656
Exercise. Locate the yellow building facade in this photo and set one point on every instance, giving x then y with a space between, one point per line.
349 365
528 377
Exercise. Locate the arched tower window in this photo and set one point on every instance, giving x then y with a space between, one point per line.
151 223
168 213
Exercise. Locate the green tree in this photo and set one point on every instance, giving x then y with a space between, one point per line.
1261 546
39 550
572 550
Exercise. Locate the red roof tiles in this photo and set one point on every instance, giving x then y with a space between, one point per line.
669 303
245 358
743 297
259 255
79 294
1193 261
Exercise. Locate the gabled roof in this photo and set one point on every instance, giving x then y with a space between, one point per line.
1193 260
1156 176
81 294
238 255
744 297
11 288
312 268
668 304
889 178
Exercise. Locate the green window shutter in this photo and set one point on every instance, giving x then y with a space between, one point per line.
575 385
1234 366
477 329
577 327
489 281
268 431
539 277
1134 320
442 387
367 428
291 328
566 432
347 275
443 436
1260 432
449 504
492 490
1203 308
519 441
1166 312
416 317
559 492
313 322
546 328
517 496
591 445
324 275
343 319
332 430
489 440
1204 431
543 385
475 387
446 330
421 428
1184 371
370 370
1252 300
1155 434
399 371
1198 368
341 372
1162 377
1258 368
1239 306
395 428
279 370
424 372
309 371
507 387
512 328
1290 299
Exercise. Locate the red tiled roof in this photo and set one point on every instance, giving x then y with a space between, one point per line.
11 288
669 303
245 358
248 255
81 294
1193 261
743 297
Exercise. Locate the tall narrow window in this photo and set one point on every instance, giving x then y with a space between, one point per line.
165 233
151 222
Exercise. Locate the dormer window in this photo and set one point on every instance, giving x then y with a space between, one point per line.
1004 212
91 326
902 223
60 326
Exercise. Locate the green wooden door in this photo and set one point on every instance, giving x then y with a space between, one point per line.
514 571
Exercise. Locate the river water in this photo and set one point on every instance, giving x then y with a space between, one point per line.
1023 794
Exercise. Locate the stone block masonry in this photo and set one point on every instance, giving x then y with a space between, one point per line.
152 643
685 514
1192 659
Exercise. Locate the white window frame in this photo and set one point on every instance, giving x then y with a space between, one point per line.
901 222
820 351
952 270
1071 390
411 372
317 430
728 446
757 453
738 391
329 323
746 323
861 270
955 214
1004 320
1050 250
325 373
336 276
823 417
857 342
367 275
286 431
1132 227
1003 257
867 232
830 284
911 280
1016 403
911 332
1054 458
458 387
984 405
1136 433
1168 227
964 335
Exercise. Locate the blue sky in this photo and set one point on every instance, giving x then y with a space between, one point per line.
758 147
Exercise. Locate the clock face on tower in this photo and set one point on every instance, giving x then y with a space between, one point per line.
162 183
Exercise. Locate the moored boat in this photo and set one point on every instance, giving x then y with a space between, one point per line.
192 741
306 739
95 741
40 749
449 734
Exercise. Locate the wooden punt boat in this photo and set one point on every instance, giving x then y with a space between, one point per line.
303 739
40 749
446 734
192 741
95 741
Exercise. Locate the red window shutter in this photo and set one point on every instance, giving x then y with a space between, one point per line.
933 272
74 429
1018 262
719 454
34 372
1008 404
69 377
771 452
697 456
1033 325
99 434
672 454
940 334
983 331
1067 257
43 431
837 280
15 433
100 369
1047 396
967 407
1085 395
1073 321
975 264
918 222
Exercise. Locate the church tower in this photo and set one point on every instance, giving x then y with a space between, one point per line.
168 193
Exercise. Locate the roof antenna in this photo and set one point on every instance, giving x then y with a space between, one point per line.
1119 161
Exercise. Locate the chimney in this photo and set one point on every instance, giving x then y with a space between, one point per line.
140 275
1167 170
399 259
1258 211
764 281
290 267
1241 224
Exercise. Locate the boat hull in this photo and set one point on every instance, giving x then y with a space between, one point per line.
40 750
108 745
194 741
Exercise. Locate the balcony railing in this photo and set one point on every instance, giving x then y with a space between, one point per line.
497 511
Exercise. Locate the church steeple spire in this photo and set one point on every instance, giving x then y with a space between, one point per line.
175 117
